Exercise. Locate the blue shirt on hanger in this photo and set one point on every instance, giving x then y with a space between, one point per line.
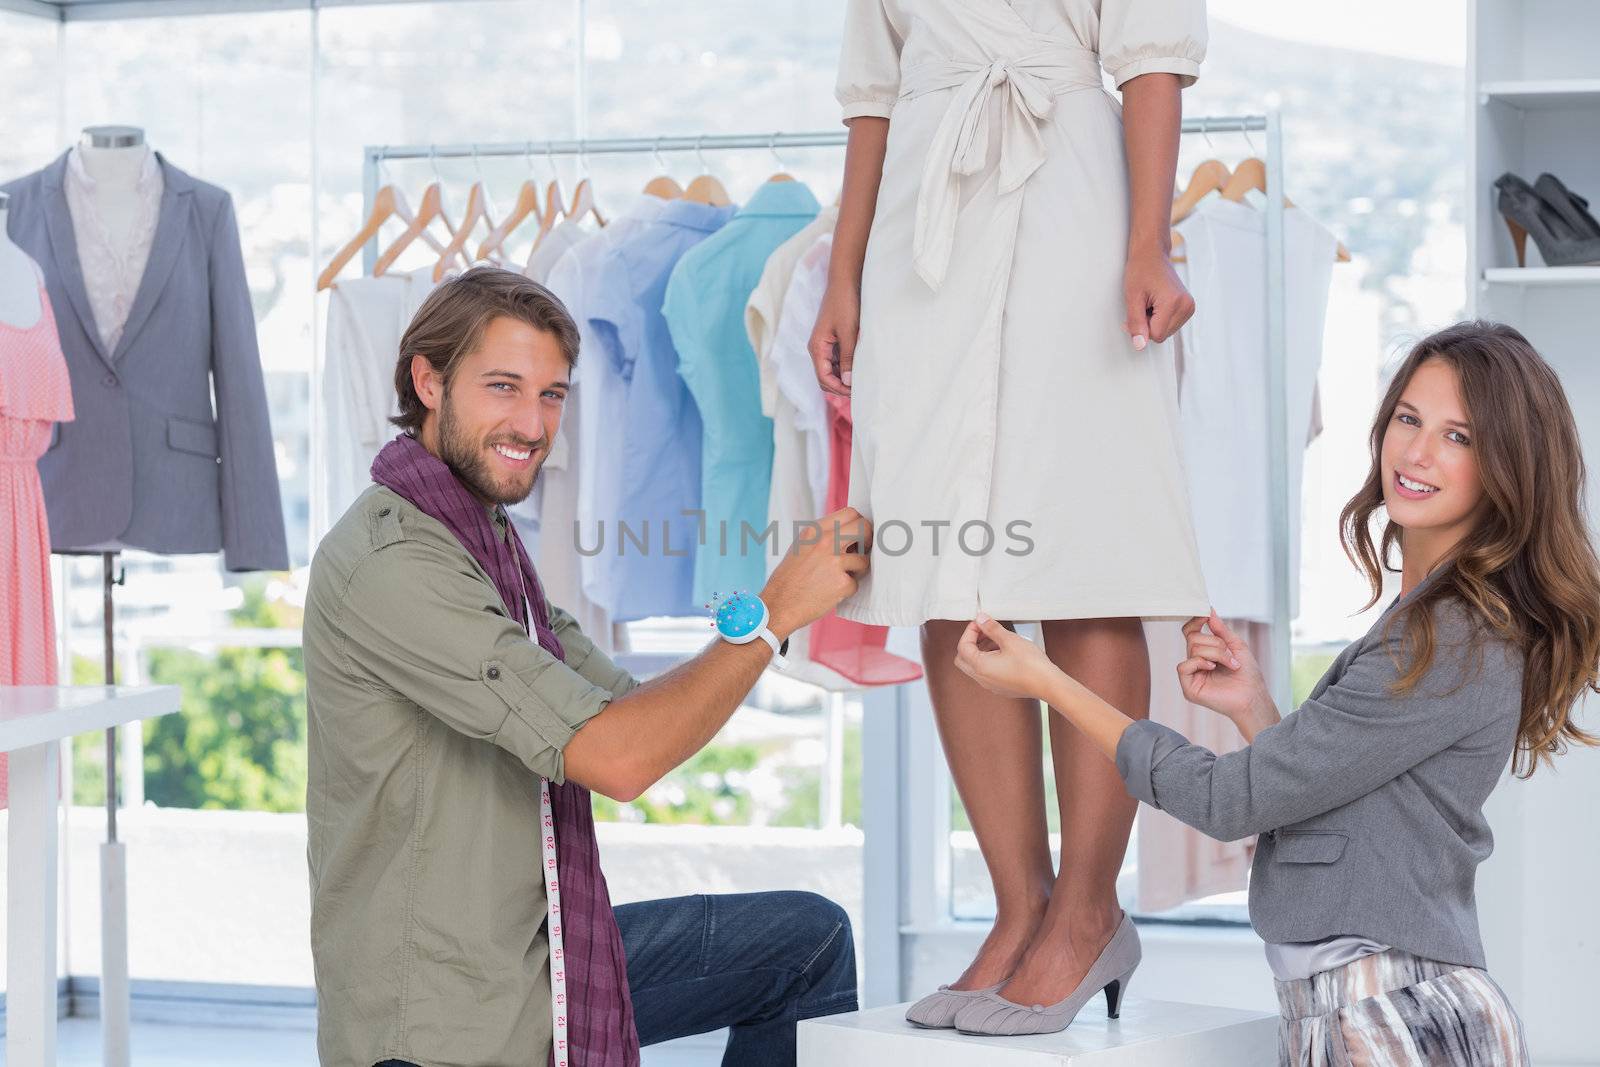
704 309
660 436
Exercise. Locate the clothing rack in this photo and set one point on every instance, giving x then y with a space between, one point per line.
1277 338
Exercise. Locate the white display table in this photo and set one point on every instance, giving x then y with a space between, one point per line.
33 721
1150 1033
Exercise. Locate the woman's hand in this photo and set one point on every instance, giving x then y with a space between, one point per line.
1003 661
1222 674
833 338
1157 303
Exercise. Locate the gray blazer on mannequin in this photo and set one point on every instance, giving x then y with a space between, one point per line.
146 464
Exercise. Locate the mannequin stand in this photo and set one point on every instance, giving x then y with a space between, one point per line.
114 993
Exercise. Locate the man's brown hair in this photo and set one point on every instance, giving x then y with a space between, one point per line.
451 322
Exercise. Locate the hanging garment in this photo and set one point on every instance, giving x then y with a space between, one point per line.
547 252
1176 863
778 319
366 319
34 394
112 267
172 449
704 307
599 396
766 302
649 538
1223 402
547 518
854 649
1009 442
780 328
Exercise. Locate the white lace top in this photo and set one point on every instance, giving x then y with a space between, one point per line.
112 265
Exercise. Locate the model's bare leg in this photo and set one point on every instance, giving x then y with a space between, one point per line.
994 748
1110 658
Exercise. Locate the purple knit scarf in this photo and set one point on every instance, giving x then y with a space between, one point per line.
599 1012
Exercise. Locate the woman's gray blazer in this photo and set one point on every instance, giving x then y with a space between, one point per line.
145 462
1369 805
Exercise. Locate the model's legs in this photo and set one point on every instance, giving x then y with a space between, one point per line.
1109 657
995 753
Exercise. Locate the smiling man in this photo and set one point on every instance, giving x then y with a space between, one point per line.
453 712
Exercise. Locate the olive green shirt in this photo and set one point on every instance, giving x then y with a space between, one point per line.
432 715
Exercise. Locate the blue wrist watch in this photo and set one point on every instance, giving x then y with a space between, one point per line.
742 618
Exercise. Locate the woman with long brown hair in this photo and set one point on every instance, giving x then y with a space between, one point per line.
1369 798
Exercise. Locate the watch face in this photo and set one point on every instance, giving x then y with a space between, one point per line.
740 615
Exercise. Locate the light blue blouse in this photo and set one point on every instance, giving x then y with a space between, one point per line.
660 435
704 309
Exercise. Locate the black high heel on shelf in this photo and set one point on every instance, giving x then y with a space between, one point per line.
1568 204
1561 243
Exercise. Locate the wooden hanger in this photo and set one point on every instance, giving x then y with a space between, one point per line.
782 174
706 189
430 207
383 208
475 204
1208 177
1252 174
553 210
527 204
403 212
664 187
583 204
663 184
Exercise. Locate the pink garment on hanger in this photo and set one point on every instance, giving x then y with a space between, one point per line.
1178 864
34 392
854 649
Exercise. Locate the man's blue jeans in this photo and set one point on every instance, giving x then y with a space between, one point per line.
756 963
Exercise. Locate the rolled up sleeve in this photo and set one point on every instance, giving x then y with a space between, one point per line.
424 623
1140 748
583 656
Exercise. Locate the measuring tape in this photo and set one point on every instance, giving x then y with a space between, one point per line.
558 963
552 890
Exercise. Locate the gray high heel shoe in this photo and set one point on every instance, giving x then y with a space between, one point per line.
993 1014
937 1010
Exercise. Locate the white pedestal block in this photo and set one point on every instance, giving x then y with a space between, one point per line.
1150 1033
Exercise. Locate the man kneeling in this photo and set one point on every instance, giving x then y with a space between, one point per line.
457 723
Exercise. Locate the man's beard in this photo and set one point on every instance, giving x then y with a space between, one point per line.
466 458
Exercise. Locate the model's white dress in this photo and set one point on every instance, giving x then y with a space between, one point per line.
1013 451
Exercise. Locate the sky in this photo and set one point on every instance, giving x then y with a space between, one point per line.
1430 30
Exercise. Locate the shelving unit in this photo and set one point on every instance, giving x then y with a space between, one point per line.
1557 94
1533 105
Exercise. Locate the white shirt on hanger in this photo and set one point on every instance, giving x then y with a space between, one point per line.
366 319
1222 400
597 390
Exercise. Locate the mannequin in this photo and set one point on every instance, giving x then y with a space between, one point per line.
113 156
19 284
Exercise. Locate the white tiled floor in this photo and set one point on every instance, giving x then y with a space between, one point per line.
158 1045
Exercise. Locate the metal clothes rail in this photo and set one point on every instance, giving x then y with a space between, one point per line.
1277 345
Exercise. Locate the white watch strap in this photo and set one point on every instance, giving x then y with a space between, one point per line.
771 638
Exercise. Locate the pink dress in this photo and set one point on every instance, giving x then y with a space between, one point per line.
34 393
853 649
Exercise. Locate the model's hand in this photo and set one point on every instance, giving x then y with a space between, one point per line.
822 568
1220 673
1157 303
1003 661
833 339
